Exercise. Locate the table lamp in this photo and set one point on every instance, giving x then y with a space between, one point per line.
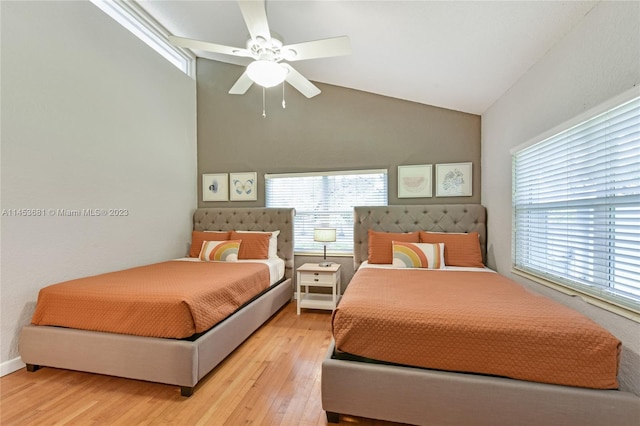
324 235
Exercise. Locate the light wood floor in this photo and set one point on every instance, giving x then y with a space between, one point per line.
273 378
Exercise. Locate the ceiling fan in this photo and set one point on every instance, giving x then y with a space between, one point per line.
268 53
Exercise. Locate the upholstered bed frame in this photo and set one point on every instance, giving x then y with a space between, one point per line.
430 397
177 362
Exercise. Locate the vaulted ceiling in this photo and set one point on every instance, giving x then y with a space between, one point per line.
461 55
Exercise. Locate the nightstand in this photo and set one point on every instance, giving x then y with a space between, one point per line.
311 274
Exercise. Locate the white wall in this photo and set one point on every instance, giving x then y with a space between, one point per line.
597 60
91 118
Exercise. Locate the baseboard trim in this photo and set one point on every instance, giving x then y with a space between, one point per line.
11 366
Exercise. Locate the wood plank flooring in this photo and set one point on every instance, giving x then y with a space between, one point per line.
273 378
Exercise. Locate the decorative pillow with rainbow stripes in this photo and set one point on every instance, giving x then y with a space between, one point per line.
221 251
418 255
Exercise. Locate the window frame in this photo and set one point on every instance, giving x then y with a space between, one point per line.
600 299
331 250
135 19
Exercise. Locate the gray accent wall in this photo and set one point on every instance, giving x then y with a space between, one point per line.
596 61
340 129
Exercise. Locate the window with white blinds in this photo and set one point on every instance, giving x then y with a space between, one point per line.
326 200
576 206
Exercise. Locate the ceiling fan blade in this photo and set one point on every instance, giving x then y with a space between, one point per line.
298 81
255 16
242 85
336 46
208 47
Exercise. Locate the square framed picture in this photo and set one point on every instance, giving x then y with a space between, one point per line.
243 186
415 181
454 180
215 187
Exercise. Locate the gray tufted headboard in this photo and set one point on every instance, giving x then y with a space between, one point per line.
432 217
252 219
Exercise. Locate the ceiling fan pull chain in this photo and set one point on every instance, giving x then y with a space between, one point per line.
264 112
284 105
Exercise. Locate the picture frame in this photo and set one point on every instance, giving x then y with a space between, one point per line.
415 181
243 186
215 187
454 180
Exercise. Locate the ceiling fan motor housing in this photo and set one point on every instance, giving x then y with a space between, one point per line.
271 49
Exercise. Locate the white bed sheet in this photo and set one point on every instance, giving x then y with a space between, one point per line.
275 264
366 264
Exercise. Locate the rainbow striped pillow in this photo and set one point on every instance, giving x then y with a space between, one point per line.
418 255
222 251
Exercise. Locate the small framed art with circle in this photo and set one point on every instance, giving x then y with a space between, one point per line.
215 187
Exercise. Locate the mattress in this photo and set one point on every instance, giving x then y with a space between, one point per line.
275 264
472 322
172 299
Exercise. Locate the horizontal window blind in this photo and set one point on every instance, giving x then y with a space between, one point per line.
326 200
576 207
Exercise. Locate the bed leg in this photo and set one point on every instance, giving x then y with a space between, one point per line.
333 417
186 390
32 367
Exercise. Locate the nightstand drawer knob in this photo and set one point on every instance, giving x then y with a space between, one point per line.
316 280
315 273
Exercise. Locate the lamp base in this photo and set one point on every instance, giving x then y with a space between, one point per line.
325 264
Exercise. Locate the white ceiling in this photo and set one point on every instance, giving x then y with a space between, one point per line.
460 55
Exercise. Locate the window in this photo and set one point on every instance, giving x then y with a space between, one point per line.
326 200
576 205
142 25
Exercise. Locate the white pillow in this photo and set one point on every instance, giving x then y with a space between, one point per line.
273 241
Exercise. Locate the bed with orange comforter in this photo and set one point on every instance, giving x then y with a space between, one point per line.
472 322
170 322
173 299
460 346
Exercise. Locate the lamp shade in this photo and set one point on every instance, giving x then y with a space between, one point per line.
324 235
266 73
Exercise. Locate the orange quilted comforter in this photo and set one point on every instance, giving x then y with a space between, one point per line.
173 299
476 322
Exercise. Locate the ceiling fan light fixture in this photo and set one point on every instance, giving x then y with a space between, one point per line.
266 73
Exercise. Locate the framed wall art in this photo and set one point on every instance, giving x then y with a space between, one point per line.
215 187
243 186
414 181
454 180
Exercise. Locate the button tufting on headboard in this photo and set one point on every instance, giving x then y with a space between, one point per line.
252 219
439 218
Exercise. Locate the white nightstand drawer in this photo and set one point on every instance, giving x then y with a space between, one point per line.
318 278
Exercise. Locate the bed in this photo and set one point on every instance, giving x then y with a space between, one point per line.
185 357
442 391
